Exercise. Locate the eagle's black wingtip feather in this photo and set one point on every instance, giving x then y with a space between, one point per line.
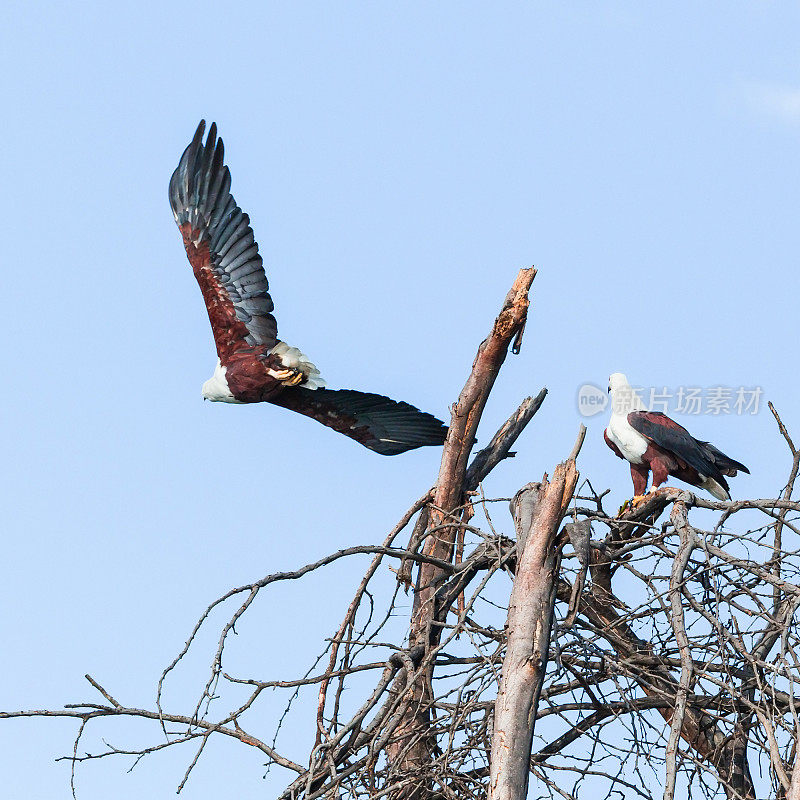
200 197
385 426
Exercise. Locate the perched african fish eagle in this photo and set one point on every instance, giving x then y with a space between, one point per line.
650 440
253 365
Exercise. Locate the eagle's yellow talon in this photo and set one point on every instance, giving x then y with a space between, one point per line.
295 379
632 503
288 376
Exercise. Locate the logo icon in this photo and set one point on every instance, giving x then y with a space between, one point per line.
591 400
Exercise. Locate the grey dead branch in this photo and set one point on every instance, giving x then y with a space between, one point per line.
562 651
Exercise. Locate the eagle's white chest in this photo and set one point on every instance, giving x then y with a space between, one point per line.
216 387
630 443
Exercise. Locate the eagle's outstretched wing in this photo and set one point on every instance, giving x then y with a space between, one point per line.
221 247
224 256
384 425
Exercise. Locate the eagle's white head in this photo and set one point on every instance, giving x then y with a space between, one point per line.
617 381
623 398
216 387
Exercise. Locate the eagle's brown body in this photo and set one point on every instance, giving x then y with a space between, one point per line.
652 442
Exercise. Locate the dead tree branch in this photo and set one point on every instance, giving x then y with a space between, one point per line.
657 650
413 747
537 510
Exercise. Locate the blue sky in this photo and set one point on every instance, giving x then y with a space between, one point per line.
399 162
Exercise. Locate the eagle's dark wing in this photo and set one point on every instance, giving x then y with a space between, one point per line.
221 247
703 457
386 426
726 464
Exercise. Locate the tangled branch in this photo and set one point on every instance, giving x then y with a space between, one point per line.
650 653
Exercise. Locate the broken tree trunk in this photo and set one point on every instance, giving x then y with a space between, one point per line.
412 747
538 509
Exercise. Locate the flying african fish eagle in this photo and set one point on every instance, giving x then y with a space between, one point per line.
253 365
650 440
